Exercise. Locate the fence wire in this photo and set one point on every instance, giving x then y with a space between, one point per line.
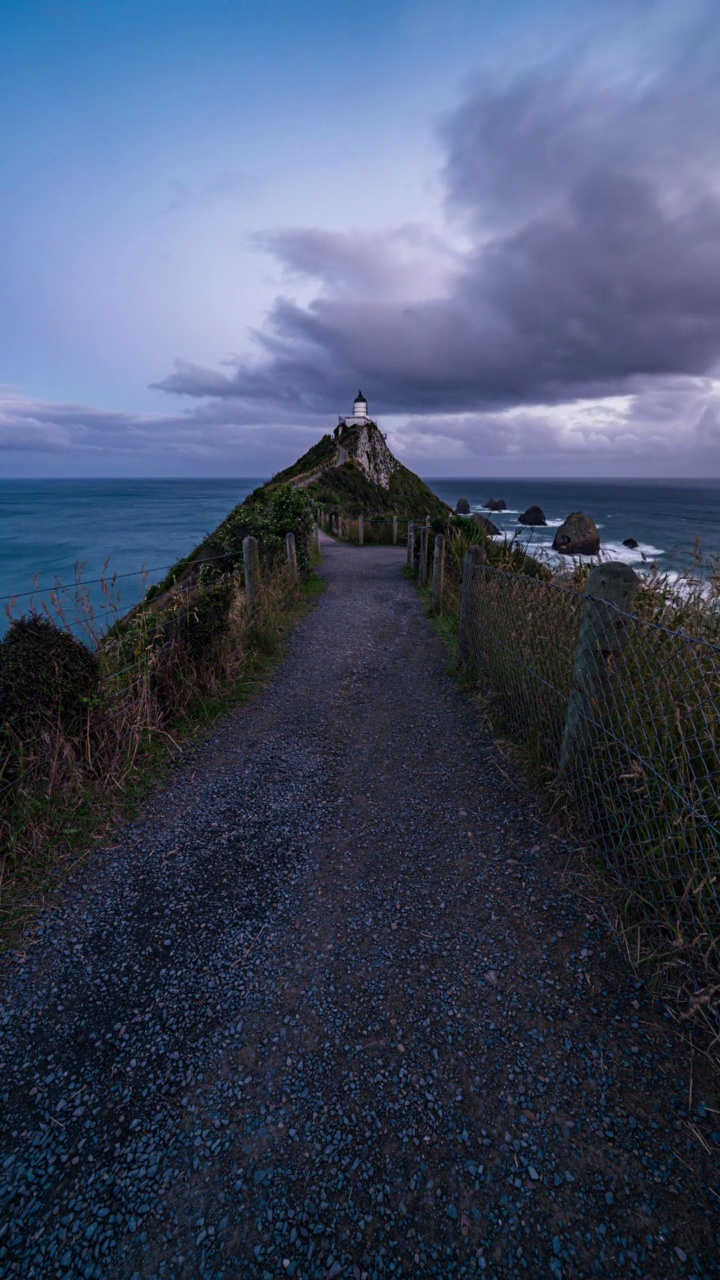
628 724
137 661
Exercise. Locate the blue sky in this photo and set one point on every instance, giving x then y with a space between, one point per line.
500 219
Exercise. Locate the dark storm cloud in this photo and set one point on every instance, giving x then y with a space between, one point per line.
592 209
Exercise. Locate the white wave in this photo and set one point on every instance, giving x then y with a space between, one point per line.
682 587
549 524
542 549
485 511
644 551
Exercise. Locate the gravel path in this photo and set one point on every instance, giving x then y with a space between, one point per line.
335 1007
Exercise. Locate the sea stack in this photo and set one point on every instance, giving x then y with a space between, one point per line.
486 525
496 504
577 536
462 507
533 515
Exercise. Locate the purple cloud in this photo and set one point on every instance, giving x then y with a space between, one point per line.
593 218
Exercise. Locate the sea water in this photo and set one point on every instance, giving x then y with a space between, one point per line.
47 527
676 525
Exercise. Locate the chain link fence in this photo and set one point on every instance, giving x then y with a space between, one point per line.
624 717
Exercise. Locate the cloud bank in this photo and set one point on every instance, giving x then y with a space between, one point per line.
563 319
213 438
580 263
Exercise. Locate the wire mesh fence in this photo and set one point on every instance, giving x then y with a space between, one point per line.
624 717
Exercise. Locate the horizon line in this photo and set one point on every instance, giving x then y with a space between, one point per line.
510 479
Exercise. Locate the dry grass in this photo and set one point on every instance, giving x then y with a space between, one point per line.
641 793
165 676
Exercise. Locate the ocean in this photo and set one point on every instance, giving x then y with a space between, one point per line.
669 521
49 526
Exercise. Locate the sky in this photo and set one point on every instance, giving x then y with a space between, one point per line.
499 218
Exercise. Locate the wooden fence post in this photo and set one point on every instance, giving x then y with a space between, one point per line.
609 593
470 605
316 537
291 554
394 531
411 542
340 526
427 522
438 580
423 564
251 565
361 529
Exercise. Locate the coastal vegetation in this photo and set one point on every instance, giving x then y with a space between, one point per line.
637 777
354 472
86 729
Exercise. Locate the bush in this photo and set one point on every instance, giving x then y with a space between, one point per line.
268 518
45 675
206 619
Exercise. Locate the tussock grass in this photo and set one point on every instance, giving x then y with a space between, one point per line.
165 675
642 787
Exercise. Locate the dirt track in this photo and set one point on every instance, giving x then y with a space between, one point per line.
335 1007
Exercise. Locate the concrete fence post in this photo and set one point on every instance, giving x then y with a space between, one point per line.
361 529
438 580
411 543
251 565
470 605
316 537
423 564
394 531
340 526
427 522
609 593
291 554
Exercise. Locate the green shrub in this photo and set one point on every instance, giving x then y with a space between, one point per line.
205 620
46 675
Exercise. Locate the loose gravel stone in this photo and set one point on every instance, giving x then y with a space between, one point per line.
335 1006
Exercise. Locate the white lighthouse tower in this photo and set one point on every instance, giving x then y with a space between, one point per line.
359 415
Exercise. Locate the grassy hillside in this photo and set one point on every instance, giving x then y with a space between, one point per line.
347 489
287 501
320 455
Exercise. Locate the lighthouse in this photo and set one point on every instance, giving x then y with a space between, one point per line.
359 406
359 415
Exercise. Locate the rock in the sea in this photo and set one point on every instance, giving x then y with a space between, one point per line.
496 504
533 515
486 525
630 542
577 536
462 507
